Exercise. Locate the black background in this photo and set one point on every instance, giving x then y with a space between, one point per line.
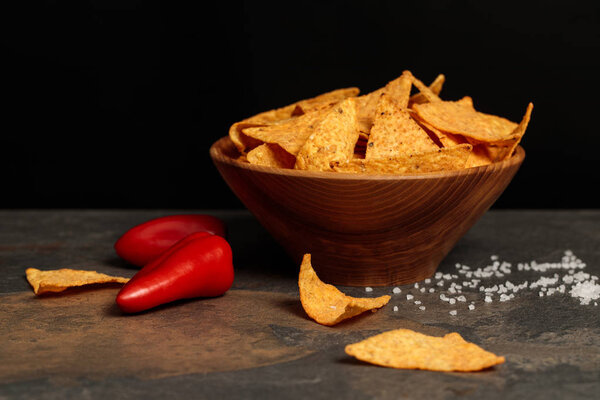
114 104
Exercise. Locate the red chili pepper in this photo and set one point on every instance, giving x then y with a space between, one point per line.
145 242
199 265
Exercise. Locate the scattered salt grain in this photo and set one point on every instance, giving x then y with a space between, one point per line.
395 308
488 299
396 290
368 289
586 291
409 297
471 307
453 312
422 308
417 302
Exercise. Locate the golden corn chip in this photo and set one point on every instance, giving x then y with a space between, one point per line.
324 100
398 89
466 101
444 139
461 119
395 133
435 87
442 159
429 94
325 303
61 279
406 349
242 141
479 156
502 151
333 140
290 134
271 155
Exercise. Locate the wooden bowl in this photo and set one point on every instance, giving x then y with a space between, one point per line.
366 230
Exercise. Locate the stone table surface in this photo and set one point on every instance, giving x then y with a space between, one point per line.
257 342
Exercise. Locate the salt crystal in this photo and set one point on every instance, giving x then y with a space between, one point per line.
461 298
452 301
416 285
586 291
422 308
431 290
488 299
417 302
395 308
409 297
427 280
423 290
453 312
368 289
471 307
396 290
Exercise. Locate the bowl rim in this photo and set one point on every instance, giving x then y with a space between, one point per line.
217 155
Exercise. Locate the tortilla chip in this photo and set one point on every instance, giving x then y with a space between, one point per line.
290 134
244 142
443 159
61 279
479 156
443 139
398 89
271 155
333 140
429 94
466 101
241 141
435 87
406 349
394 132
324 100
461 119
517 135
325 303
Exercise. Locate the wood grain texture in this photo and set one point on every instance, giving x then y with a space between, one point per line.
366 230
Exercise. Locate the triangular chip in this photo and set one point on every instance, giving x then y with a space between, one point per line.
271 155
502 151
394 132
479 156
324 100
435 87
333 140
241 141
406 349
325 303
429 94
445 139
290 134
398 90
61 279
443 159
461 119
244 143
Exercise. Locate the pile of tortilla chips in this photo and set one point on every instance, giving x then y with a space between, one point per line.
388 131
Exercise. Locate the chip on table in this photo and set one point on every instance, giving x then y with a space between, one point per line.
407 349
325 303
61 279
